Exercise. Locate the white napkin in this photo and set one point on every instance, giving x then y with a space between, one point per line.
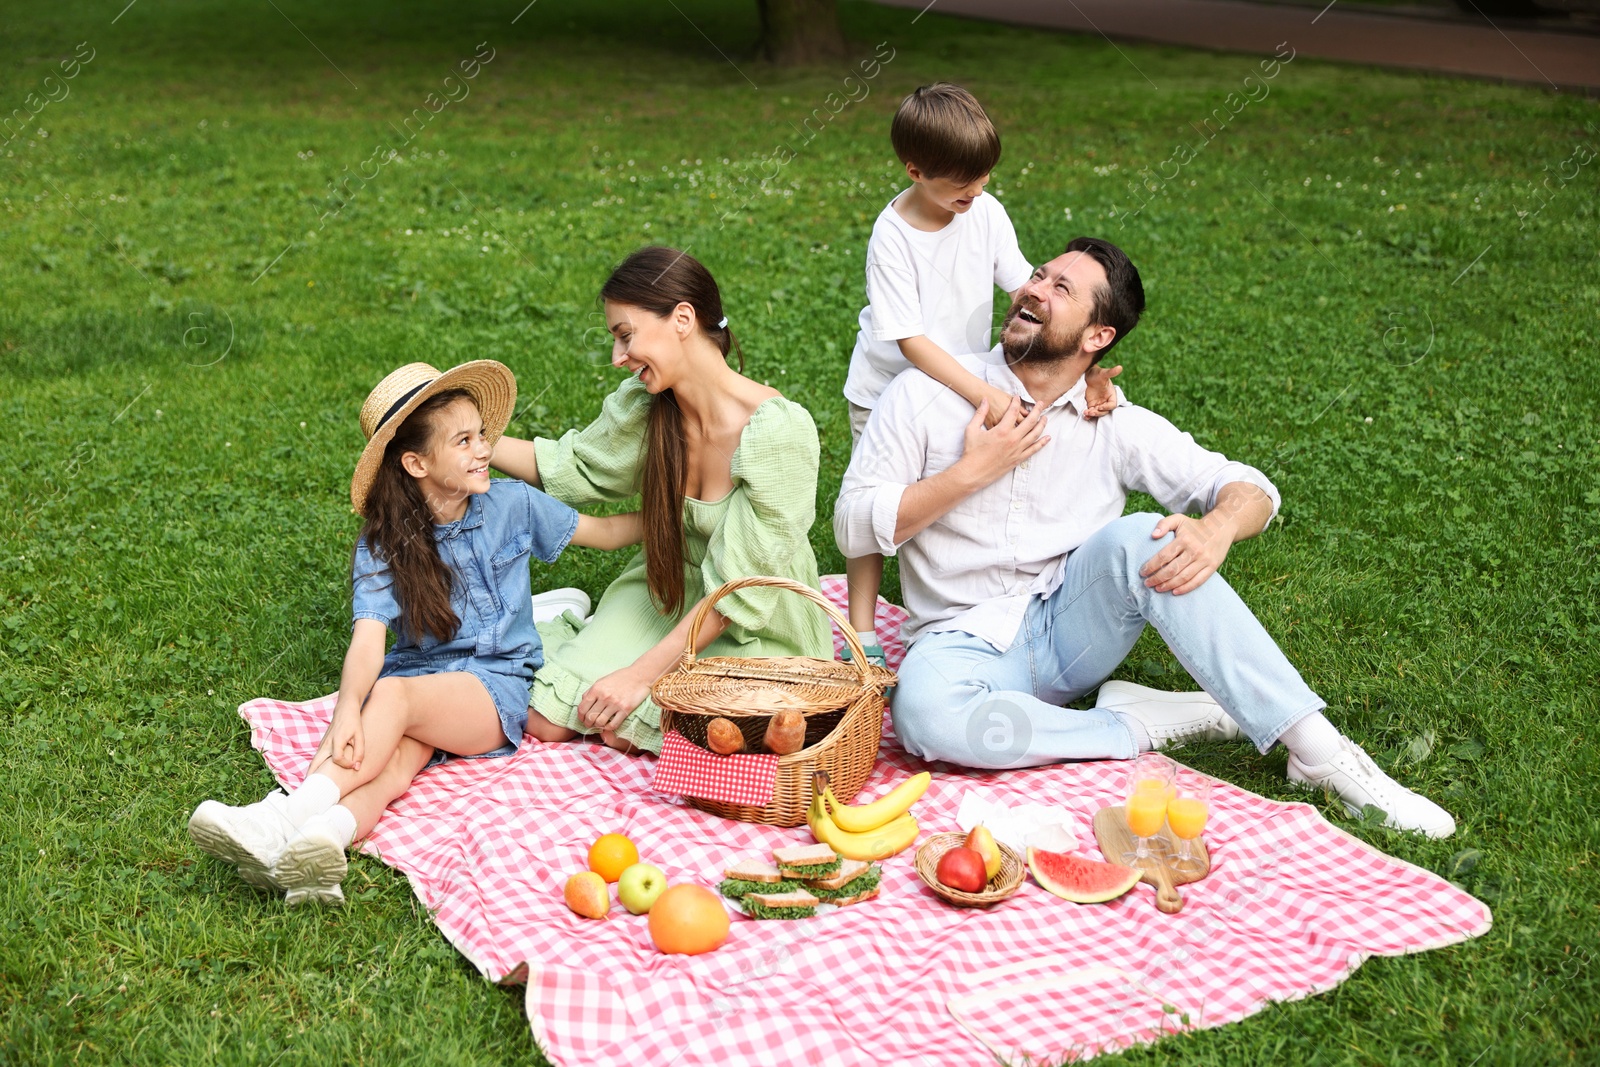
1053 828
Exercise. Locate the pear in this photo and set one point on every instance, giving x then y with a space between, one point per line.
588 894
981 841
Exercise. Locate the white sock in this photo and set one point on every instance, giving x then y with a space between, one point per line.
1141 736
1313 740
868 638
316 795
342 821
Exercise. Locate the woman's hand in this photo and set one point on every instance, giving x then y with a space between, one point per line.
347 741
612 699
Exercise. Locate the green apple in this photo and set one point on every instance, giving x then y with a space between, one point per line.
639 887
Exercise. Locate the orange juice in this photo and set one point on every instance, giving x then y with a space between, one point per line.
1155 785
1187 816
1146 809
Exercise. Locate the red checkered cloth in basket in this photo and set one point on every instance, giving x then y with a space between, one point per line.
1292 907
688 770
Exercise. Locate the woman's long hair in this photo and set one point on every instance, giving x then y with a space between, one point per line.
657 280
399 529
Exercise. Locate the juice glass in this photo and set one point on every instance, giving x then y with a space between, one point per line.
1150 783
1186 814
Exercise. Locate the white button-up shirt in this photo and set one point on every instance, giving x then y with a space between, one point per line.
976 567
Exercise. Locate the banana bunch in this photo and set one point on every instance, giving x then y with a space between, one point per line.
872 831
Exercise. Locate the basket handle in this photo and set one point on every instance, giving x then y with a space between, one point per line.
858 655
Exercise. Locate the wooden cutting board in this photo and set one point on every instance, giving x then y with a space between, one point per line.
1111 833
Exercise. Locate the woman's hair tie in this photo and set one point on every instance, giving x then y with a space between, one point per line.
723 325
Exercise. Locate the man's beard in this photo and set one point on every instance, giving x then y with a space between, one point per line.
1042 348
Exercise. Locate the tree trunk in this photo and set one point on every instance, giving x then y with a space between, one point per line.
799 32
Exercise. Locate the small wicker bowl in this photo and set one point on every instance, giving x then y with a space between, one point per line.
1006 881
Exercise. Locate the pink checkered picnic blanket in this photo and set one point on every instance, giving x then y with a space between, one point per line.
1292 906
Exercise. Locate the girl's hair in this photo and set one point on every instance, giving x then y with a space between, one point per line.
657 280
399 529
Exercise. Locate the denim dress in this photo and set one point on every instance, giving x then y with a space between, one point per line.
487 551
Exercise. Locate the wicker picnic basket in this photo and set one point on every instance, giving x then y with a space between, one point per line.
842 704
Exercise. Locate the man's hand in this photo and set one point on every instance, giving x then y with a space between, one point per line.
1099 395
988 454
1193 556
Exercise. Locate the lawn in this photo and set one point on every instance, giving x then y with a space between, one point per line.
1356 283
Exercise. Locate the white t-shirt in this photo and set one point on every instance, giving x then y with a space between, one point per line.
939 285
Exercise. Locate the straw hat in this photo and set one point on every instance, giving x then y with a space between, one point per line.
490 382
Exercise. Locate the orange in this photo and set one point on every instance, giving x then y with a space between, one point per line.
611 855
689 920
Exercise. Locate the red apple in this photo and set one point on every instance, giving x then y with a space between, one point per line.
962 868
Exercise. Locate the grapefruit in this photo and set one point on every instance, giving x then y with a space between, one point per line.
688 920
610 855
1079 880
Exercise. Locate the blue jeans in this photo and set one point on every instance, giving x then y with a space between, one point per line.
960 700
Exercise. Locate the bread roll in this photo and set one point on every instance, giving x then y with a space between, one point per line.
786 733
723 737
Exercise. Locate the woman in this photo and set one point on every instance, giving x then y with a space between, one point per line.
727 469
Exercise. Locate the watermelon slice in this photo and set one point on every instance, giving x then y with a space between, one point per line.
1079 880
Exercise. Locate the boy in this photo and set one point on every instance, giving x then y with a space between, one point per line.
936 253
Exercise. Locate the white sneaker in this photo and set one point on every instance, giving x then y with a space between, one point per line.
249 837
312 864
1170 718
552 604
1357 781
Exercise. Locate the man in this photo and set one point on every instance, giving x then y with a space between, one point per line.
1027 586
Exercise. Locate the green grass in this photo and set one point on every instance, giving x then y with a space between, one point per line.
1421 383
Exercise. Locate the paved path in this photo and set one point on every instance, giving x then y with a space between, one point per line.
1564 61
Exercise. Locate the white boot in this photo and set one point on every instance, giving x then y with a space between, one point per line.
313 863
1357 781
1171 719
249 837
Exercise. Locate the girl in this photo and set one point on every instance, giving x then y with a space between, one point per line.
442 560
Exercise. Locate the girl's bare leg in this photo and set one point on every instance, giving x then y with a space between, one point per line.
367 802
451 710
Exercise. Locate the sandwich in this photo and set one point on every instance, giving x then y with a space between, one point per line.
848 871
754 876
806 862
795 904
854 898
855 882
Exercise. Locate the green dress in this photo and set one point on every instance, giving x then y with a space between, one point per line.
761 527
